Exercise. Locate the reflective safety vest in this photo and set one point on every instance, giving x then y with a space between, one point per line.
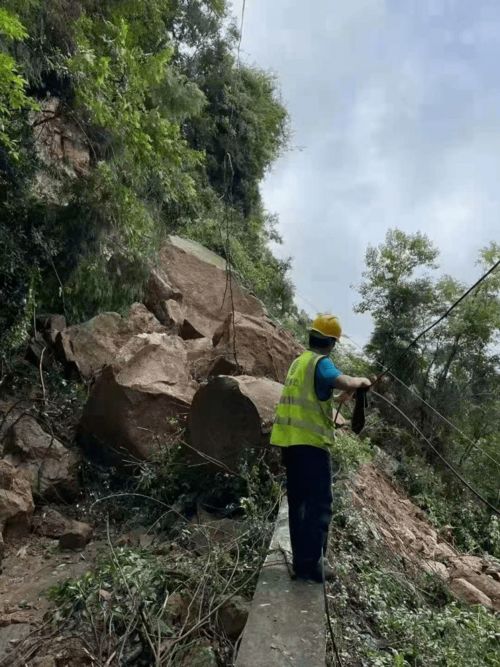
301 418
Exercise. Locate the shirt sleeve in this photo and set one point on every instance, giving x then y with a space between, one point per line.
325 376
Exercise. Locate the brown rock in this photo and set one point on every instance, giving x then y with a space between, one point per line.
50 523
199 656
437 568
136 405
49 326
141 320
233 616
75 536
50 466
466 564
487 585
59 143
177 606
197 279
208 530
159 294
16 502
88 347
466 591
201 357
253 346
231 414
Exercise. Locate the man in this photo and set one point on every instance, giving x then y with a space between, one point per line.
304 428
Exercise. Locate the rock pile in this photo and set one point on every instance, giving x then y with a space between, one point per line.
199 349
405 529
147 368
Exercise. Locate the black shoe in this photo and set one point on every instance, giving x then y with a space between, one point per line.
314 572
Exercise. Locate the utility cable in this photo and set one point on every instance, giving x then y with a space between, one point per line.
431 407
438 453
327 611
441 318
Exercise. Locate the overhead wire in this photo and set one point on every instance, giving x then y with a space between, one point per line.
441 317
431 407
387 371
437 452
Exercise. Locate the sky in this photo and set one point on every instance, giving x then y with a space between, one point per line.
395 114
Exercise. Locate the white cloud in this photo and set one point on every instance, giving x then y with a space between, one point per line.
397 107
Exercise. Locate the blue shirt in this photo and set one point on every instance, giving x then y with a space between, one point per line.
324 378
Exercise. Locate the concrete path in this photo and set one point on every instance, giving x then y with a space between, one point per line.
286 625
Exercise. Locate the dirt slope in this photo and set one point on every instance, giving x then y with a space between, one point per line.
407 532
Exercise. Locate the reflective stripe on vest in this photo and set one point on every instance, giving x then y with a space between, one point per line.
305 426
301 418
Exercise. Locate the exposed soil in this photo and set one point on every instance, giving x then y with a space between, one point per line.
406 531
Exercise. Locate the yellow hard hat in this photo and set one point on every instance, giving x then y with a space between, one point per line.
327 325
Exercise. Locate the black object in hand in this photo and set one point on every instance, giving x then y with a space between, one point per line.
358 416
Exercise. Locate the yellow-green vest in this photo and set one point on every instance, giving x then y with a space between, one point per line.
301 418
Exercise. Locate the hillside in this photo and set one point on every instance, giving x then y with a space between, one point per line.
146 333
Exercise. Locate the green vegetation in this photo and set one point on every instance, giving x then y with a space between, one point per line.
179 136
389 614
156 603
455 368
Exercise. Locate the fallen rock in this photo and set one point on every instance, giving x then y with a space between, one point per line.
201 357
76 535
88 347
464 565
196 279
177 607
200 656
51 467
233 616
249 345
60 143
466 591
436 568
48 522
487 585
160 298
139 403
49 326
231 414
16 502
208 530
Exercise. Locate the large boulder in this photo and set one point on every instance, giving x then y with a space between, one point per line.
51 467
16 502
201 357
140 402
192 292
230 415
71 534
89 346
249 345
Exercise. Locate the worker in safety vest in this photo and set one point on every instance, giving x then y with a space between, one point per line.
304 428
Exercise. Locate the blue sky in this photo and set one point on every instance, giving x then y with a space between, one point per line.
395 110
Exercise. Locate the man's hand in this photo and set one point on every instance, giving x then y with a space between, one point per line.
349 384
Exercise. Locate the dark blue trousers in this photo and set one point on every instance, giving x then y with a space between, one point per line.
309 490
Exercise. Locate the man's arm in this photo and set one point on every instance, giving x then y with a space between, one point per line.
350 384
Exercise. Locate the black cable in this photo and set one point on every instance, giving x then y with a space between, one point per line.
431 407
436 451
327 611
440 319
